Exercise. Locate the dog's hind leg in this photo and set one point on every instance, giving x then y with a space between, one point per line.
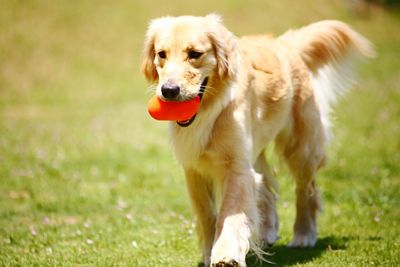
307 205
267 190
304 166
202 199
302 147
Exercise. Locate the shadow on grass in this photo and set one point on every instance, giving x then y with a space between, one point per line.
281 255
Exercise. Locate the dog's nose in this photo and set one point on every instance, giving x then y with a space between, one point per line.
170 90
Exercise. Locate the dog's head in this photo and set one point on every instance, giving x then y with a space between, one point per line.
182 54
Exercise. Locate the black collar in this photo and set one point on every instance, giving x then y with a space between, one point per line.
201 93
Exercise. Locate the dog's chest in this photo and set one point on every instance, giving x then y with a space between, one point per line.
189 143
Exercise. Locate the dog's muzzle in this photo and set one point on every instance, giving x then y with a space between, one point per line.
201 93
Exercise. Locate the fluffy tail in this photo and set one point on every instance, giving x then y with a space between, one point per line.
330 49
327 42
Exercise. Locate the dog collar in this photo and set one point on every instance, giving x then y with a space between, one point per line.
201 93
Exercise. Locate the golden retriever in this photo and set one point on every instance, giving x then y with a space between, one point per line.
255 90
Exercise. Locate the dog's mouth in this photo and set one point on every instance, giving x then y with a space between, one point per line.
202 90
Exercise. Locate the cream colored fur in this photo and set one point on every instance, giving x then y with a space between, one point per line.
260 90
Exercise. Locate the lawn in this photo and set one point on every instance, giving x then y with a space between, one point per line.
88 179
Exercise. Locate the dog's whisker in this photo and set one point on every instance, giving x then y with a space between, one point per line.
151 89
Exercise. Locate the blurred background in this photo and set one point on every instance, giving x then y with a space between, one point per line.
88 179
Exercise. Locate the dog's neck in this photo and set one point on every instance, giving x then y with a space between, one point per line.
190 142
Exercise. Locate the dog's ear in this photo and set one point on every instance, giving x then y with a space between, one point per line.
225 47
148 67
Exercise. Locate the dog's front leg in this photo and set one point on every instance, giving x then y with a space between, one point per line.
236 221
202 199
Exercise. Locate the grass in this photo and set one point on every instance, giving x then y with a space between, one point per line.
87 179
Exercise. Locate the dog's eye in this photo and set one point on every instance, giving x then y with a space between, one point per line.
162 54
194 54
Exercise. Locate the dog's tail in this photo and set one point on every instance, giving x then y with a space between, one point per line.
330 49
327 42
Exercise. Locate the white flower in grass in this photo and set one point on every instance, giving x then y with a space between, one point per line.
121 204
134 244
285 204
89 241
155 231
46 221
33 230
129 217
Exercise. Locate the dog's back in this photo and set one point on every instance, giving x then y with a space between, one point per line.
329 50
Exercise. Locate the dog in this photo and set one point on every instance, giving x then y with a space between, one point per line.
254 90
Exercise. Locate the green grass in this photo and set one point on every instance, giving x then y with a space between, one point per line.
87 178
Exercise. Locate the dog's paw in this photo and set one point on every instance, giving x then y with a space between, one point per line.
302 241
227 260
226 263
227 257
270 237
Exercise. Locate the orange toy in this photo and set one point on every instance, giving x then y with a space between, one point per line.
173 111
